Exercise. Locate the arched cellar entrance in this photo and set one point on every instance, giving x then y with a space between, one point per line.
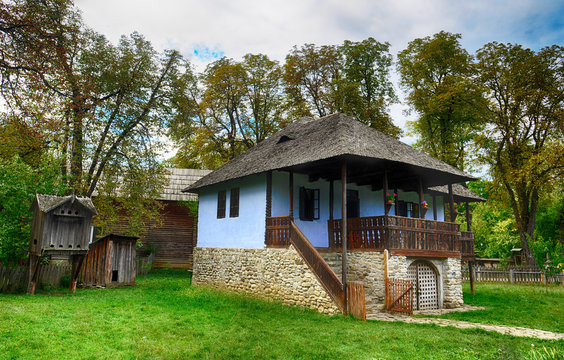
425 284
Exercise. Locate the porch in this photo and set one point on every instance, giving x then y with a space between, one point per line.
400 235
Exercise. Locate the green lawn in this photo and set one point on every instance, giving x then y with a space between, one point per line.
165 318
515 305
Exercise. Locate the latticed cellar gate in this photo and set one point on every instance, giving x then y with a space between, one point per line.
425 281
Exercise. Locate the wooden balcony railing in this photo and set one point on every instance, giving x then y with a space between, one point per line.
277 231
401 235
467 245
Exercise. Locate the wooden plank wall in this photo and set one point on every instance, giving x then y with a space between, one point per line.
174 241
94 269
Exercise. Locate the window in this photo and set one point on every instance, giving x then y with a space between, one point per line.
309 204
221 204
234 203
353 204
408 209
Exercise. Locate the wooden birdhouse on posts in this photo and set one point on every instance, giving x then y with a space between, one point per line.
61 229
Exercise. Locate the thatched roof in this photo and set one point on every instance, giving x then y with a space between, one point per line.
46 203
459 192
317 146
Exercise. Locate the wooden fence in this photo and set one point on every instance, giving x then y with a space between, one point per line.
511 274
15 278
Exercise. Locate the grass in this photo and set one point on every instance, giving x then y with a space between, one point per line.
163 317
515 305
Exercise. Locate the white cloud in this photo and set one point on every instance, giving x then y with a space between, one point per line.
272 27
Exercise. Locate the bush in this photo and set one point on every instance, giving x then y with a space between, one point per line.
65 280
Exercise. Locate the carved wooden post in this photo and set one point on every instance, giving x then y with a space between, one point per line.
468 217
331 196
344 226
291 194
451 203
385 189
434 207
330 228
421 198
471 274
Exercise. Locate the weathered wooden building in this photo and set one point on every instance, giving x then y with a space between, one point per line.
175 237
61 229
110 262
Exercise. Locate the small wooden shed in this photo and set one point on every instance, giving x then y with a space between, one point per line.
61 229
110 262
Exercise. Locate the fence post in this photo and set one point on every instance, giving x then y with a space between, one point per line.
511 276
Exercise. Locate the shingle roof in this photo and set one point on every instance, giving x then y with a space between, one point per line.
459 192
308 140
46 203
179 179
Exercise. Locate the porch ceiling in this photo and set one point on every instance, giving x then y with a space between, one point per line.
370 171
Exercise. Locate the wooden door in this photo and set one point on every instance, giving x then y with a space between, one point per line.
425 280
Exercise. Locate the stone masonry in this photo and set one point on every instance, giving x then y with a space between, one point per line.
452 283
368 267
270 273
281 274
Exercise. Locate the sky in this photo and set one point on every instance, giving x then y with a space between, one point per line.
207 30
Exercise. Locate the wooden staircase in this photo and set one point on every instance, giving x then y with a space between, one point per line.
354 304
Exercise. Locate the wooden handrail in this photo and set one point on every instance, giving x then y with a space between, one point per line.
318 266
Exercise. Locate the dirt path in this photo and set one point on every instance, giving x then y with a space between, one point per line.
503 329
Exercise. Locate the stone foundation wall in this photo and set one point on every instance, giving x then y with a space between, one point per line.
279 274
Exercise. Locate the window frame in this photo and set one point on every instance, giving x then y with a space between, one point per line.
309 204
221 203
234 204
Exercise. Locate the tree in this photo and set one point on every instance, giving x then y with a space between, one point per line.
19 182
99 107
309 75
264 98
106 102
367 70
230 107
524 143
438 75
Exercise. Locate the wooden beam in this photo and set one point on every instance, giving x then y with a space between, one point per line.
291 196
344 226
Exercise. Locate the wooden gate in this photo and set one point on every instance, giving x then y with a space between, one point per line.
424 278
399 295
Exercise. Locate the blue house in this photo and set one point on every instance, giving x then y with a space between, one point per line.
271 220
